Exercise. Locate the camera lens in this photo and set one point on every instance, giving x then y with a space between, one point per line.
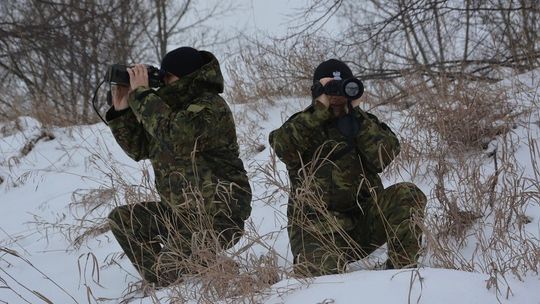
353 88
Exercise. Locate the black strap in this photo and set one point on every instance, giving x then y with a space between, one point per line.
349 126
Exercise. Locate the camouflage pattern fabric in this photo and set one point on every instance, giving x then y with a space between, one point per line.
188 133
143 229
338 210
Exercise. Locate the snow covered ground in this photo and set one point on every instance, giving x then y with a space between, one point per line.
57 185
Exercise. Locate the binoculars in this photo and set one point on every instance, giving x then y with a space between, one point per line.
351 88
117 74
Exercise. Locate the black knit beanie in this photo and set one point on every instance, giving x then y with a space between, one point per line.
182 61
331 68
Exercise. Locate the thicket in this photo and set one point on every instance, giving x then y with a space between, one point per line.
53 54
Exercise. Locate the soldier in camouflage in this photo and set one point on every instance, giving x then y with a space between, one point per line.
338 209
188 133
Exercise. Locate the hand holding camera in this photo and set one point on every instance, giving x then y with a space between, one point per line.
119 74
323 98
138 76
124 79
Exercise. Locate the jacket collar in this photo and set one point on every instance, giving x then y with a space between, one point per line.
207 79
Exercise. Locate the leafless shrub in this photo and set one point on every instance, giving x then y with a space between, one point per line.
493 217
64 49
476 219
436 38
386 41
52 61
274 69
465 116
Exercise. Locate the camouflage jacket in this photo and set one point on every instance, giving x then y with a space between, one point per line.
309 144
187 131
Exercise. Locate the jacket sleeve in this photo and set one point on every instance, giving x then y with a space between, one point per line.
129 133
375 141
299 137
181 131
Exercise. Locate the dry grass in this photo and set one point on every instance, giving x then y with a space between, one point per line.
464 148
211 274
11 283
274 69
464 116
250 137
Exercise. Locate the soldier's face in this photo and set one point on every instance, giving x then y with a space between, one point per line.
170 78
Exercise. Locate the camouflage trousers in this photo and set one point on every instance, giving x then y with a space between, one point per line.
156 237
324 244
